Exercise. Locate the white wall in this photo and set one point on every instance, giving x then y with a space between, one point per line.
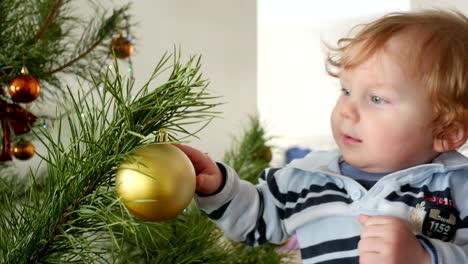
460 5
224 33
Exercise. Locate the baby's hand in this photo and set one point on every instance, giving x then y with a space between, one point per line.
209 178
389 240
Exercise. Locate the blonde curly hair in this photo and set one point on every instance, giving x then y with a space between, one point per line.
439 58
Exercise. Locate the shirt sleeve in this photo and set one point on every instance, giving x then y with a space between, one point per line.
444 252
245 212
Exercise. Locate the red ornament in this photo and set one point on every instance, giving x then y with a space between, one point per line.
20 119
24 88
14 117
5 153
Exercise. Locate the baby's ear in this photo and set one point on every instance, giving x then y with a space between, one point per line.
451 139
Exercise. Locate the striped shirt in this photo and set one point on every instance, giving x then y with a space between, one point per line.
311 198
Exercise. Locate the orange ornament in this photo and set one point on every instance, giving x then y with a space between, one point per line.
122 46
23 150
24 88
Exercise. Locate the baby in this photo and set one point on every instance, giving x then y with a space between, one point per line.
395 190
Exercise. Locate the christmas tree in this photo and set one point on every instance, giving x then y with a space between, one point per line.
42 43
69 211
74 214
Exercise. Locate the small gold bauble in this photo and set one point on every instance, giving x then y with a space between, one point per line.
267 154
122 46
24 88
23 150
157 182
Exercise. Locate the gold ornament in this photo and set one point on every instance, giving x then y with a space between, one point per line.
122 46
23 150
157 182
267 154
24 88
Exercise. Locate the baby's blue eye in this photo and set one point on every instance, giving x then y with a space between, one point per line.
345 92
377 100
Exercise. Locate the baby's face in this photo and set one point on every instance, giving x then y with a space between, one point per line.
381 120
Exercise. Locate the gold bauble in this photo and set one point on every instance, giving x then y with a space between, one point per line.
267 154
23 150
122 46
157 182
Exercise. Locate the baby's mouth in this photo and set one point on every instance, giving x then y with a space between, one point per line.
350 140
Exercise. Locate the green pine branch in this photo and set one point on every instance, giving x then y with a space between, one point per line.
249 155
51 37
48 21
77 216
